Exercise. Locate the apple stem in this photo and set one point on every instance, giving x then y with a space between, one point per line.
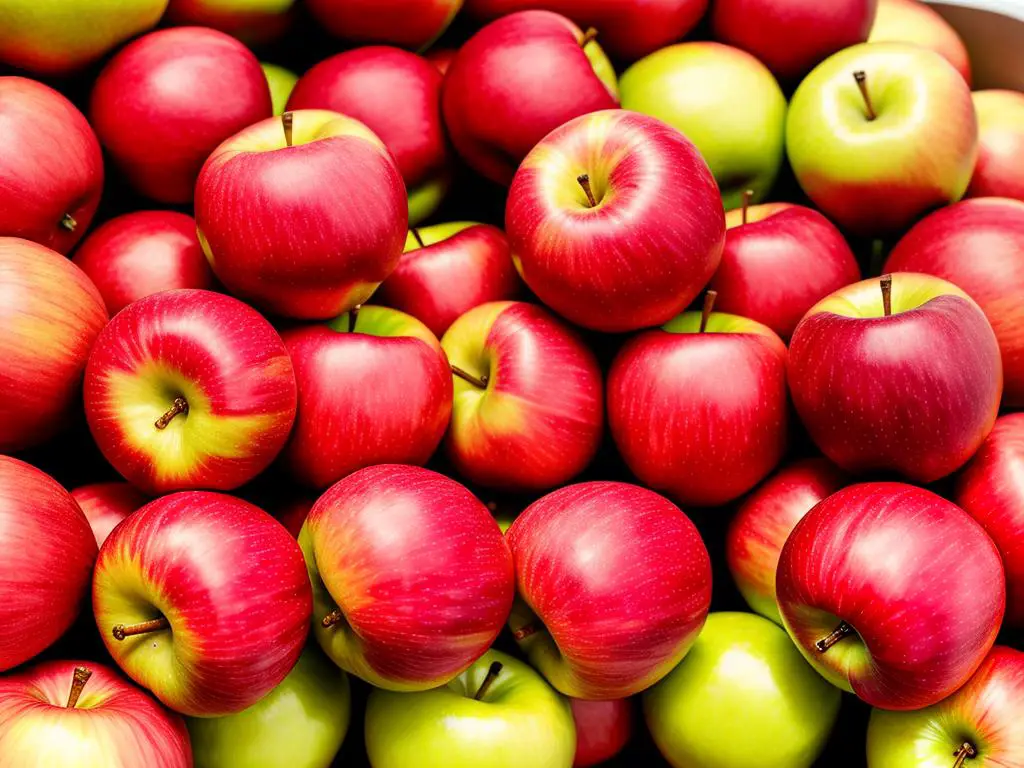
416 236
705 313
966 750
748 195
121 631
481 382
862 84
353 316
81 677
68 222
287 120
834 637
492 674
584 181
885 282
332 618
588 37
525 631
180 405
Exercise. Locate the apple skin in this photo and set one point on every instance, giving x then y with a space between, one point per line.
381 394
231 582
51 164
1001 145
876 177
915 392
519 721
318 245
742 698
577 259
764 521
49 551
723 100
911 21
986 714
420 604
888 560
779 263
718 399
538 421
166 100
397 95
107 504
281 82
255 21
603 728
218 355
515 81
113 724
573 621
407 23
441 58
138 254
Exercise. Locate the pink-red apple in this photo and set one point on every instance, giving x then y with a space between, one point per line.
1000 168
603 728
441 58
107 504
408 23
911 21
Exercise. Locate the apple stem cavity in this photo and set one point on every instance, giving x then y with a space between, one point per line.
68 222
180 405
480 383
965 752
862 84
588 37
122 631
584 181
748 195
353 316
287 121
834 637
885 282
417 238
492 674
705 313
78 681
332 618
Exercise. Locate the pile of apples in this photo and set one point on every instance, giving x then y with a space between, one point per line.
433 389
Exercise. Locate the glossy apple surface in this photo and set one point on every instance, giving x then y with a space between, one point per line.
1001 145
107 504
911 21
408 23
603 728
282 82
251 20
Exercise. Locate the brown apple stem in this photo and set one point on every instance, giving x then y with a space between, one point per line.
180 406
705 313
584 181
588 37
966 751
78 681
862 84
353 316
525 631
416 236
492 674
885 282
287 120
748 195
332 618
834 637
68 222
481 382
121 631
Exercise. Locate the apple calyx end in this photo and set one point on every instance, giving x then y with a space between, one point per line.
885 283
180 405
584 181
332 618
492 674
748 195
287 122
964 753
705 312
479 383
68 222
861 79
122 631
79 679
588 37
416 236
833 637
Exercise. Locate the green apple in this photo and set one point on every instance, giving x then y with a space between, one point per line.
725 101
499 713
281 81
742 698
301 723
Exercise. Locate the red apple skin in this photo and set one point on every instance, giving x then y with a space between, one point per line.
915 22
407 23
107 504
780 263
166 100
49 551
891 560
991 490
51 165
293 514
441 58
603 729
253 27
977 246
1000 145
138 254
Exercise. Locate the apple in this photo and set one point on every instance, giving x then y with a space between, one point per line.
441 58
447 269
203 599
614 584
397 95
49 551
723 100
292 514
374 388
50 316
880 134
189 389
603 728
515 81
408 23
565 212
301 723
874 587
528 410
51 165
412 579
79 714
742 698
107 504
911 21
698 408
166 100
1001 145
898 374
499 713
303 215
251 20
138 254
282 82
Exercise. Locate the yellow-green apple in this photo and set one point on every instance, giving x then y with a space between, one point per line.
991 490
512 427
911 21
300 724
107 504
303 215
764 521
603 728
861 146
499 713
282 82
723 100
896 374
51 165
408 23
189 389
447 269
875 588
998 172
203 599
779 261
374 388
397 95
976 727
50 316
614 584
570 198
515 81
412 579
79 714
255 21
722 372
49 551
138 254
166 100
742 698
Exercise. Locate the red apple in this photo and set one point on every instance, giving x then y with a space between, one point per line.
255 21
137 254
441 58
891 593
203 599
565 217
602 729
51 166
107 504
408 23
189 389
166 100
303 215
293 514
1000 145
911 21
